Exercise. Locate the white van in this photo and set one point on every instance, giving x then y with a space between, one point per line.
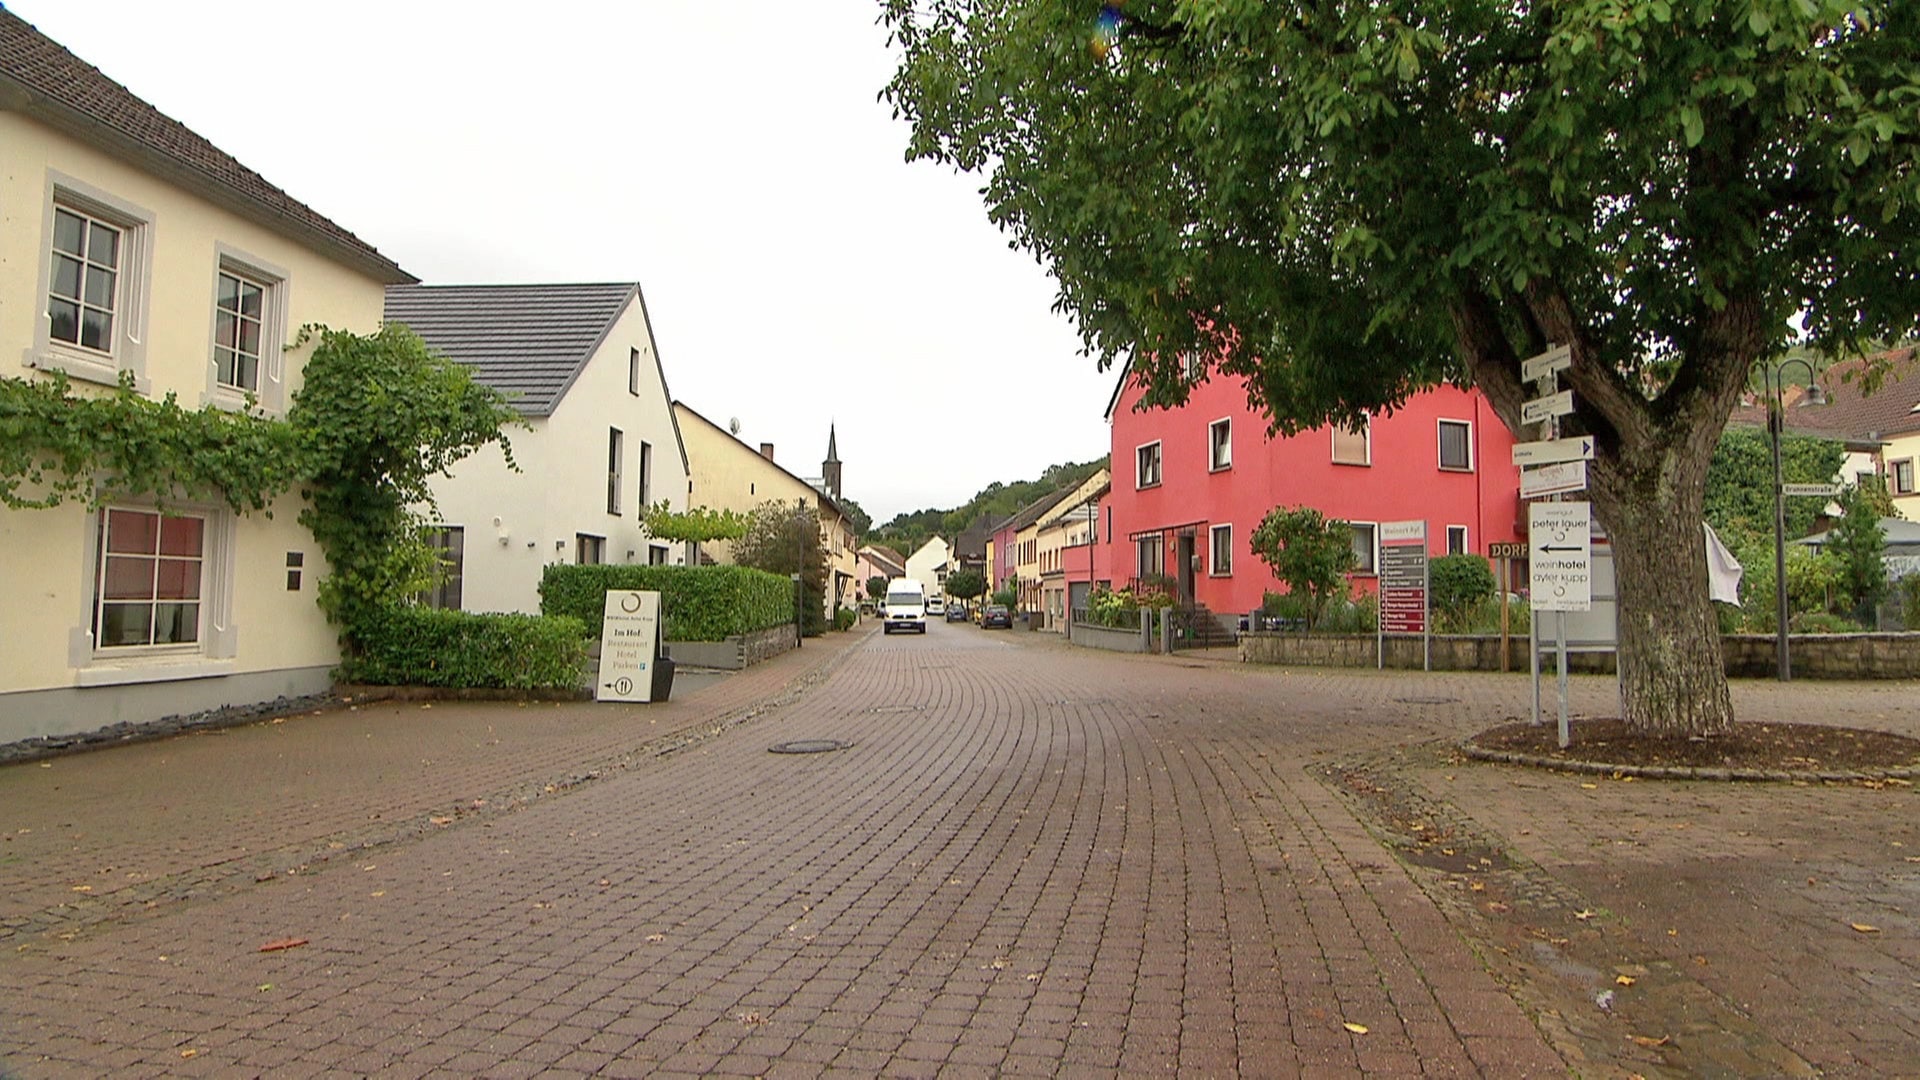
906 606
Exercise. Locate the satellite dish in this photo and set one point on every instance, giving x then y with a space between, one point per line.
733 425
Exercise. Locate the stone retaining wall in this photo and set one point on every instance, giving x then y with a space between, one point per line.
1107 637
1814 656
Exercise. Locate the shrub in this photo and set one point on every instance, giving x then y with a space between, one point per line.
1821 622
403 645
697 603
845 618
1345 616
1310 554
1457 583
1910 601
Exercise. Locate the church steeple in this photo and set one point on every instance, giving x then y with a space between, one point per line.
830 468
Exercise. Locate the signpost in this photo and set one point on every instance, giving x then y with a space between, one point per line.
1404 591
1548 451
1546 408
1561 569
1559 478
1503 555
1547 364
1825 490
629 644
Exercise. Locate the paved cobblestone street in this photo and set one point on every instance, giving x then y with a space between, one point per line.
1032 860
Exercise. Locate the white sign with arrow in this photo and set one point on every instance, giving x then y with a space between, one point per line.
1556 479
1558 358
1560 536
1544 408
1548 451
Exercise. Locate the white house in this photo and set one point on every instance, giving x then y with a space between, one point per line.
579 364
929 565
130 246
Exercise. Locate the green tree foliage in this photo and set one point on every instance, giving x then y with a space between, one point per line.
1739 494
996 502
378 417
784 538
1308 553
695 525
1858 543
1342 204
966 584
1457 584
857 517
876 587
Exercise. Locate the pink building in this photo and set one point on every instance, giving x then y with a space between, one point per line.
1191 484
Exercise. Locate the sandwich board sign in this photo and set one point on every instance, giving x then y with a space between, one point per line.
629 644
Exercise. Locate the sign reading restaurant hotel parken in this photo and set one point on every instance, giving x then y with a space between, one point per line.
629 641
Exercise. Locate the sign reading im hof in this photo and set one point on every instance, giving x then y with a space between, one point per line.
1403 577
629 641
1561 568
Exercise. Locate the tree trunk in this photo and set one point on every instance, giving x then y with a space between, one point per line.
1673 680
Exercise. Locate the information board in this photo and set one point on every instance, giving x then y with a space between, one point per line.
629 643
1403 577
1561 567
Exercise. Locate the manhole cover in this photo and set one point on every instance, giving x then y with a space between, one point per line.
808 746
1428 700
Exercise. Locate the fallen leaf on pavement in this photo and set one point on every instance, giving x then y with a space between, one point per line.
278 944
1623 980
1357 1029
189 1052
441 819
1650 1043
1591 787
1864 928
656 938
1583 916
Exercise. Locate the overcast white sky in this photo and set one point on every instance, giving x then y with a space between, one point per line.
731 157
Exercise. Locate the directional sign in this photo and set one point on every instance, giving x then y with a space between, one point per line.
1539 409
629 638
1555 479
1403 577
1561 568
1551 450
1558 358
1828 490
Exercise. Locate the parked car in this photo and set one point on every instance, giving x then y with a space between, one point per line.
957 612
936 605
997 616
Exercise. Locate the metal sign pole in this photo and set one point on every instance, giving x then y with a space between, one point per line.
1426 601
1533 662
1560 635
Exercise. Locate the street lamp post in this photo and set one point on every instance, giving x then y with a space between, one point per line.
1776 421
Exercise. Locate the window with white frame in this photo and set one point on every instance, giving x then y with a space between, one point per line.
615 452
1365 547
1220 445
449 546
1456 445
1222 545
1146 466
646 475
1902 473
239 313
633 372
94 290
150 579
1353 445
1457 540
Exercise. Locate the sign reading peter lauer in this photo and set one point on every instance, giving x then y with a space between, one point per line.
629 641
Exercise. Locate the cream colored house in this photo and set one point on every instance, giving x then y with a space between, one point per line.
579 363
727 474
1069 524
130 246
929 565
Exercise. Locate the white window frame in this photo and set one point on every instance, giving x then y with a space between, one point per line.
270 396
1440 444
1372 568
133 287
1334 432
1220 452
218 642
616 467
1159 465
1894 484
1462 548
1214 568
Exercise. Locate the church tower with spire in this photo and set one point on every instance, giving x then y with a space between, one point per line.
830 468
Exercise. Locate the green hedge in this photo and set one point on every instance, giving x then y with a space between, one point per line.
402 645
697 603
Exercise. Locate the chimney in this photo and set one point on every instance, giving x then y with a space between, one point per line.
766 450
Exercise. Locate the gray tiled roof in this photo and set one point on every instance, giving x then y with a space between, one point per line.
526 341
42 79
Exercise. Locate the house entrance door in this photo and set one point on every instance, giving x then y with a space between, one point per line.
1183 571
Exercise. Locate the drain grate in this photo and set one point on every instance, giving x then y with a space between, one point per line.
1428 700
808 746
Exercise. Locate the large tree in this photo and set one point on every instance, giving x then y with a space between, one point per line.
1343 203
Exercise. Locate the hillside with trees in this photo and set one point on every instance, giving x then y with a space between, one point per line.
997 501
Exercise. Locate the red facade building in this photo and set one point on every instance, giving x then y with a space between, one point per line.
1191 484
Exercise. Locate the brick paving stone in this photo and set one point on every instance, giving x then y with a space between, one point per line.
1034 860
